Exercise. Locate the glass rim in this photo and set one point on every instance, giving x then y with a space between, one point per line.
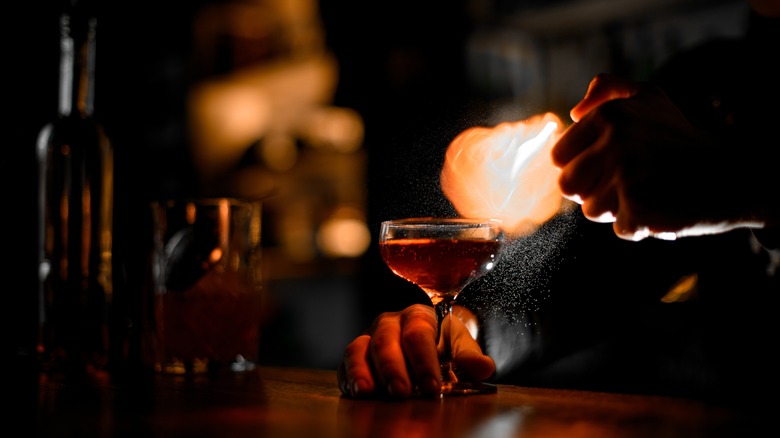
455 221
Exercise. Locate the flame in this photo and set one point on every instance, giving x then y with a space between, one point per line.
505 172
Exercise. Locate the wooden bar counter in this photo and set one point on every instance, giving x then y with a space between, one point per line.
290 402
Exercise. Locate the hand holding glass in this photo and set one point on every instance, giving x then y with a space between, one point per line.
442 256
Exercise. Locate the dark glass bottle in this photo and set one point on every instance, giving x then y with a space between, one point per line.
75 161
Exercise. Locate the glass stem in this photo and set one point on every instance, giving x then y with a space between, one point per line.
444 341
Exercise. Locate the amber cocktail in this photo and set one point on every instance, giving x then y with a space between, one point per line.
442 256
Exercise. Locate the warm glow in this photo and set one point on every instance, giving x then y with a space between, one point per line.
335 128
505 172
343 237
228 114
215 255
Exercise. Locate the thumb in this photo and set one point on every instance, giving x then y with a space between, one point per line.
467 355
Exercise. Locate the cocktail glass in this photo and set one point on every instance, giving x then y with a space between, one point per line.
442 256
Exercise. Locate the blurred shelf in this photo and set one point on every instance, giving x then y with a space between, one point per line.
578 16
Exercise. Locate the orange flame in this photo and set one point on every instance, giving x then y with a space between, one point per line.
505 172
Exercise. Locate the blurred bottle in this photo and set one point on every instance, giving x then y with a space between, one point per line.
75 162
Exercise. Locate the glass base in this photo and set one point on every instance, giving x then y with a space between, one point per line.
467 388
451 385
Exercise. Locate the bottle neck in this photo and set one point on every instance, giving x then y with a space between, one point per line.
77 64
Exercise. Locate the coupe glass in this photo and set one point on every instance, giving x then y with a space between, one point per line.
442 256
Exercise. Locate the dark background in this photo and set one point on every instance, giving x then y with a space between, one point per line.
403 66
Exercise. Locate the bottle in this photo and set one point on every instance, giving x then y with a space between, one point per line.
75 204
